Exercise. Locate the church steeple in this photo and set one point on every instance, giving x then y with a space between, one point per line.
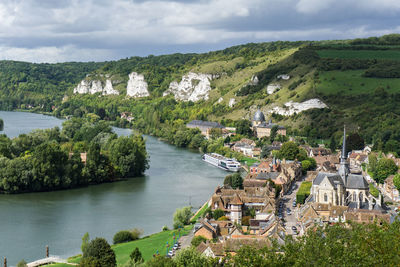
344 167
343 156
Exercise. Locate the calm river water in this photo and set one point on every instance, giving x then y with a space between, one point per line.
29 222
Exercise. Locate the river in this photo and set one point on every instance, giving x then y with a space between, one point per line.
29 222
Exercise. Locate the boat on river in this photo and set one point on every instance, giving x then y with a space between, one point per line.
222 162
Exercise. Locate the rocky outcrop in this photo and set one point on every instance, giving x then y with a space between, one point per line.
271 88
220 100
95 86
254 80
192 87
294 107
137 86
109 89
232 102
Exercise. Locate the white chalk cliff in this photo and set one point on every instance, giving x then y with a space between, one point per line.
95 86
295 107
137 86
192 87
271 88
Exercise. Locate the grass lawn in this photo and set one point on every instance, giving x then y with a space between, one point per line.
362 54
351 82
147 246
249 161
373 190
200 213
304 192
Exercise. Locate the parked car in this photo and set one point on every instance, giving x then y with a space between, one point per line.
294 204
294 228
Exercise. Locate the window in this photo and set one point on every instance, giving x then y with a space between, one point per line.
325 197
354 196
361 197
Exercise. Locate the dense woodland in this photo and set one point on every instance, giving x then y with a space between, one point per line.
45 160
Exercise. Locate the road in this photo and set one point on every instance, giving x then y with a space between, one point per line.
287 200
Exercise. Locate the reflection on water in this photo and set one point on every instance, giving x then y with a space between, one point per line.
59 219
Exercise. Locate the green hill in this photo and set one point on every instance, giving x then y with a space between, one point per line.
359 81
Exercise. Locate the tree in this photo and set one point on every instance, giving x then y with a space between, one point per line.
1 125
354 142
85 242
289 151
274 131
333 144
396 181
237 181
197 240
122 237
372 162
243 127
218 213
136 256
129 156
190 257
100 251
182 216
384 168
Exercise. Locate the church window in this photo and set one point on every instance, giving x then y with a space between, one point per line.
325 197
361 196
354 196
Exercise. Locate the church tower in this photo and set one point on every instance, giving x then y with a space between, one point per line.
344 166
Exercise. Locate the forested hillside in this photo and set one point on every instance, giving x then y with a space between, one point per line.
359 81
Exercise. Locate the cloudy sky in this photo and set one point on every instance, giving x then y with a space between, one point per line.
96 30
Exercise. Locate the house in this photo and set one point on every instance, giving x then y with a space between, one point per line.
262 129
357 160
235 201
327 163
318 151
82 155
366 216
246 147
204 126
127 116
206 229
390 189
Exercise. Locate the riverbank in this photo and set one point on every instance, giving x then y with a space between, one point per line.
148 246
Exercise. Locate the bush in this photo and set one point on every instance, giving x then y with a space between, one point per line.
136 255
304 192
197 240
123 237
223 218
182 216
246 220
218 213
99 253
22 263
165 228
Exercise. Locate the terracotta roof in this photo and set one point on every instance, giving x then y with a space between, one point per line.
201 247
236 201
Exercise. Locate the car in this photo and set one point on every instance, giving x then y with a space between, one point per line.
294 228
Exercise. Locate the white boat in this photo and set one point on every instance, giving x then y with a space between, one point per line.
222 162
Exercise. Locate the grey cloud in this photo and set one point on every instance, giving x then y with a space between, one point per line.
69 29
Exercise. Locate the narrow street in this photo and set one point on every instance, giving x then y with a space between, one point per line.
288 199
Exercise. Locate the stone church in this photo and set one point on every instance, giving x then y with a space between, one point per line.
343 188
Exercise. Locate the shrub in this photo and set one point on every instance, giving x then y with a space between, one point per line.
22 263
197 240
218 213
182 216
99 253
223 218
123 237
136 255
246 220
304 192
136 233
165 228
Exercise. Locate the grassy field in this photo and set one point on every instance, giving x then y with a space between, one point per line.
362 54
351 82
147 245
